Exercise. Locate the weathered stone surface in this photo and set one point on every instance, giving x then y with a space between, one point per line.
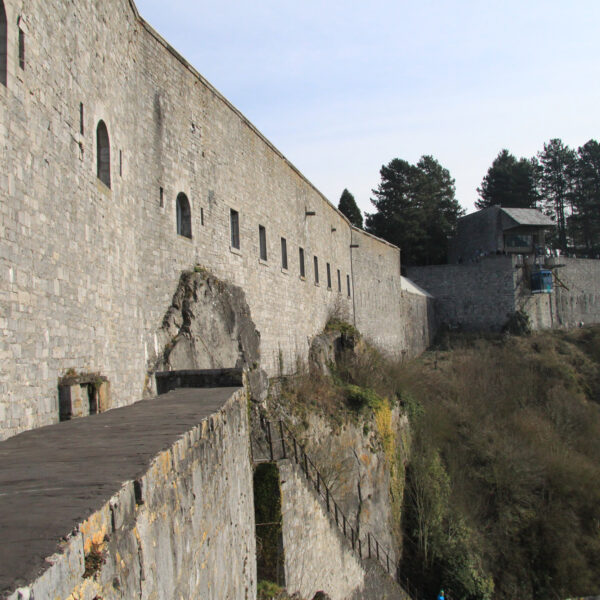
87 271
209 326
482 295
151 501
317 558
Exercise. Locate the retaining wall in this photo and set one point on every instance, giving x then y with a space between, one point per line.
482 295
184 530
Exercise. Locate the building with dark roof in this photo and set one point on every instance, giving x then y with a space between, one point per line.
499 230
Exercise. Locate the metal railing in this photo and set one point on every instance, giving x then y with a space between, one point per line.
282 444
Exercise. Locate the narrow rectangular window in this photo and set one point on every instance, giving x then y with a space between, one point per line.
21 49
81 118
262 240
234 219
301 256
284 263
339 281
201 216
316 270
328 276
348 284
161 197
120 163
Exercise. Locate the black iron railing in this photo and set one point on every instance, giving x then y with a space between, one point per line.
281 444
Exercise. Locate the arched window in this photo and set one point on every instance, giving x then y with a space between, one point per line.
3 44
184 216
103 153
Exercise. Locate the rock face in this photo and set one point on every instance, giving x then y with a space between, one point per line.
354 465
209 326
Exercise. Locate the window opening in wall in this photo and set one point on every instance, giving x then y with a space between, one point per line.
284 261
301 256
161 197
80 395
328 276
103 153
120 163
184 216
3 44
202 216
262 240
339 280
234 221
348 284
21 49
316 261
81 118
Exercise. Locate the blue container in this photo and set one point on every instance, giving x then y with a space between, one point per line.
541 282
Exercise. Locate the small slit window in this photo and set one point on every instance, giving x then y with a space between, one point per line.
81 127
328 276
339 280
184 216
301 260
21 49
3 44
262 241
348 284
284 260
234 222
316 263
103 153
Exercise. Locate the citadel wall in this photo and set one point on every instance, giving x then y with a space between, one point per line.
87 271
191 534
482 295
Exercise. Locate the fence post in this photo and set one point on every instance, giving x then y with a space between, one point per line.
352 537
269 439
282 439
318 483
327 498
369 544
295 450
336 513
344 524
387 560
305 464
377 547
360 548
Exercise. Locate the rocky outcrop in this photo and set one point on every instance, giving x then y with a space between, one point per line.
209 326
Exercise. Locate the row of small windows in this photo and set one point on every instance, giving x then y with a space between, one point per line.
234 222
4 45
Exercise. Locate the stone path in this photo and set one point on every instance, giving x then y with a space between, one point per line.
53 478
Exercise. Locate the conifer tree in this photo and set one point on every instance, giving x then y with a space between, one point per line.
348 207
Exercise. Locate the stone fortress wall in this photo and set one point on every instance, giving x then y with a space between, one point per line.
482 295
87 271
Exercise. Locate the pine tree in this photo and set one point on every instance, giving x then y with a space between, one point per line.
348 207
509 182
416 209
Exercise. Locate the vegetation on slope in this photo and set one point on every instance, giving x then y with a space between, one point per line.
498 495
503 498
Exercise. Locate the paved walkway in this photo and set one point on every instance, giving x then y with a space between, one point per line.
53 478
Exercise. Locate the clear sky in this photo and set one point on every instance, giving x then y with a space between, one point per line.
343 87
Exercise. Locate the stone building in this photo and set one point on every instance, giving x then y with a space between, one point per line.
120 167
499 230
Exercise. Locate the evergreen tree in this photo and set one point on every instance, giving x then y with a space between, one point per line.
509 182
584 224
348 207
557 177
416 209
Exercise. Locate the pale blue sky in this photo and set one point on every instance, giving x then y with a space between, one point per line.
342 87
